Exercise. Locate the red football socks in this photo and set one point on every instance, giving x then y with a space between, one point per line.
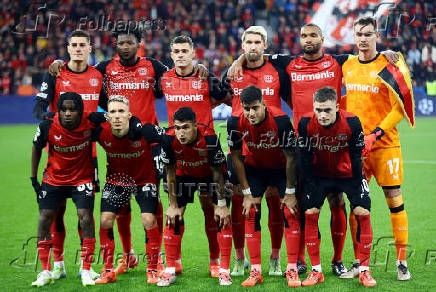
107 246
44 254
238 226
292 235
365 239
312 239
57 231
88 252
253 236
152 247
275 223
338 228
225 243
211 232
124 217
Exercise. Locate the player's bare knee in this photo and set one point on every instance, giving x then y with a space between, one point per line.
392 193
107 220
312 211
148 220
360 211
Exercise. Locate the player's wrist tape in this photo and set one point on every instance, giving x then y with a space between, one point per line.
378 132
246 192
222 203
290 191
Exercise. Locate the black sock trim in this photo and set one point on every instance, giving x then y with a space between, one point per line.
397 209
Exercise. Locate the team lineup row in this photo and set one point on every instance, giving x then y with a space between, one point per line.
263 146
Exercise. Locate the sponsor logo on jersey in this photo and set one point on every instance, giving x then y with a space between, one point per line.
71 148
326 64
342 137
142 71
363 87
187 97
44 86
129 85
87 96
58 138
265 91
262 145
136 144
66 83
196 84
93 82
268 78
193 163
309 77
126 155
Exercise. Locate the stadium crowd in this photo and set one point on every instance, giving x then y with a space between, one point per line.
32 34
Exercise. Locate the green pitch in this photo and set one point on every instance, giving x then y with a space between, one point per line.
19 215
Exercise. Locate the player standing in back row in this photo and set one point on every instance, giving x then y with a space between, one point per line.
380 111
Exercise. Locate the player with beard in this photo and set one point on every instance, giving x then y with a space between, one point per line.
69 173
182 88
270 162
78 77
274 83
308 73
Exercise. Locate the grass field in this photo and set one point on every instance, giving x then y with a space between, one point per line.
19 215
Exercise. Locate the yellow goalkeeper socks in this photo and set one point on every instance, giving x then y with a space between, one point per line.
399 225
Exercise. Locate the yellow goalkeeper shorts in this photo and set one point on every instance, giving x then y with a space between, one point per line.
386 164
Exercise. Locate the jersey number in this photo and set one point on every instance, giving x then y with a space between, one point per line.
391 163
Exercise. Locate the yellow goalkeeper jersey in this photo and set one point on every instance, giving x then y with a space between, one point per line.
368 98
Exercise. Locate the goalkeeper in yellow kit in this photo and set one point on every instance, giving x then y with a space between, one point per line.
380 108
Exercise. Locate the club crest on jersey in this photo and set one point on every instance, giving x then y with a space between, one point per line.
326 64
86 133
93 81
44 86
342 137
142 71
66 83
268 78
196 84
136 144
58 138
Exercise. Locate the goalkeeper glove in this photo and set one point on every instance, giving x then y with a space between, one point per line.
36 187
370 140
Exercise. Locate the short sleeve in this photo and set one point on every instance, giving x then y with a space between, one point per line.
167 153
41 135
234 136
216 154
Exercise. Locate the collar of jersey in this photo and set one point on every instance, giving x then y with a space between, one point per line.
75 72
331 125
255 68
369 61
136 62
316 60
266 116
182 76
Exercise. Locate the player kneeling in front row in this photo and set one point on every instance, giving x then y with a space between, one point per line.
69 174
270 162
193 159
130 169
330 148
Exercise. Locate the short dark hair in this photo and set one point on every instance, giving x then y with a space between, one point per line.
313 25
182 39
135 31
367 20
185 114
75 97
79 33
324 94
251 94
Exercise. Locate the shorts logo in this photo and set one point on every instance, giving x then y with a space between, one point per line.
93 82
44 86
108 144
66 83
37 134
196 84
58 138
268 78
43 194
87 133
326 64
142 71
136 144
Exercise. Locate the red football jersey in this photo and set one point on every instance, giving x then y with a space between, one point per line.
137 83
273 82
265 141
307 76
131 158
196 158
190 91
333 151
69 157
87 83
